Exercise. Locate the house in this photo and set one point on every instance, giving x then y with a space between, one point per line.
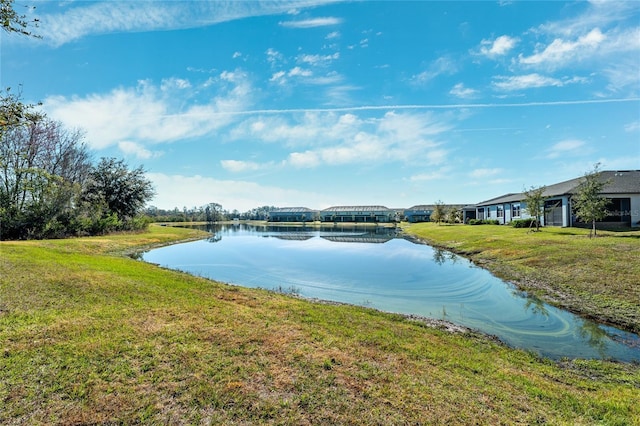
422 212
358 214
419 213
292 214
622 190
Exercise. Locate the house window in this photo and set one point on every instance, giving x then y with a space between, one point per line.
515 210
500 211
481 214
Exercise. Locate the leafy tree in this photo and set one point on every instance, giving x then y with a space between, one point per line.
589 205
119 193
12 22
453 214
535 199
439 212
42 168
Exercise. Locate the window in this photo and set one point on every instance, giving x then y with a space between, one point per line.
515 210
500 211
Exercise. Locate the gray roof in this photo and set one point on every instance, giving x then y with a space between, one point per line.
292 210
619 182
355 209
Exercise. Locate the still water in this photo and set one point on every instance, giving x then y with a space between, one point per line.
374 267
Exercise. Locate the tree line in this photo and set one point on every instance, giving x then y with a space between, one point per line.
212 212
50 186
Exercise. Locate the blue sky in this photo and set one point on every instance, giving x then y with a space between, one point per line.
319 103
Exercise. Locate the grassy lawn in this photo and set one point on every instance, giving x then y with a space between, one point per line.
598 278
89 336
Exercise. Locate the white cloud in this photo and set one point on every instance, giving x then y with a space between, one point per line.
462 92
485 173
423 177
312 23
178 191
632 127
148 114
317 60
498 47
443 65
407 138
561 51
530 81
132 148
332 35
81 19
565 148
237 166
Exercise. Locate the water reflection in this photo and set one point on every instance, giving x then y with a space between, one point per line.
441 256
371 266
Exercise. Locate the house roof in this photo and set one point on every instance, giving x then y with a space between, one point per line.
291 210
355 208
619 182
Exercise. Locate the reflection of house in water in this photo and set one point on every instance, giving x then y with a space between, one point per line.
293 237
366 238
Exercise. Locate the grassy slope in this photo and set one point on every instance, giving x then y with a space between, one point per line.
91 337
598 278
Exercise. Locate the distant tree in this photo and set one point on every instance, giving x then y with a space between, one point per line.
453 214
589 205
535 199
13 22
215 212
119 193
439 212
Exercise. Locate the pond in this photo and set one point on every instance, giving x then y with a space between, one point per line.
376 268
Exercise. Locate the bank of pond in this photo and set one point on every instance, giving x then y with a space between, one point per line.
379 268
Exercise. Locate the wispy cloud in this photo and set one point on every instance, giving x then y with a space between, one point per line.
312 23
528 81
568 147
443 65
485 173
81 19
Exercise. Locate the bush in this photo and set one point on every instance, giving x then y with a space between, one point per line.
523 223
483 222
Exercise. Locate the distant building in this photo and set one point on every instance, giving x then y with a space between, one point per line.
292 214
358 214
419 213
623 192
422 212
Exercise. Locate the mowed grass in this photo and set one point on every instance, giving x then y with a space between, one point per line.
90 336
598 277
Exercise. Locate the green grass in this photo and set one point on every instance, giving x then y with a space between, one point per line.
598 278
90 336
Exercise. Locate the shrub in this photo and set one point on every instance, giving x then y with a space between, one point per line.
523 223
483 222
